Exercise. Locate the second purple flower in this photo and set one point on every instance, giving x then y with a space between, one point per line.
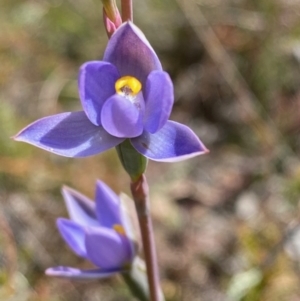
101 231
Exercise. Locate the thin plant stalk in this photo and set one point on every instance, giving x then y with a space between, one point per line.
126 8
140 193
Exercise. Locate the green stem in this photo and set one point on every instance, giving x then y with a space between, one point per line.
133 162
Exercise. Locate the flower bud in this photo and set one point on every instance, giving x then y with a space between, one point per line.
111 16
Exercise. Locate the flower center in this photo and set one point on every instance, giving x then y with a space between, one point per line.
119 228
128 86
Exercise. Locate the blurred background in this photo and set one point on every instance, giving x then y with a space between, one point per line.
227 224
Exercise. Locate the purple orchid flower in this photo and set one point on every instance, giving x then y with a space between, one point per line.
127 95
99 231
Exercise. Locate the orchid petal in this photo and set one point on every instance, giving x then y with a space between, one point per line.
130 223
96 83
121 117
107 206
106 248
129 50
159 99
81 209
69 135
174 142
73 273
73 234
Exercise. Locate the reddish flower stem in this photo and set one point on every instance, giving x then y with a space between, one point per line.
140 193
126 8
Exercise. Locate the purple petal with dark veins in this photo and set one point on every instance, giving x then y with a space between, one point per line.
129 50
77 274
106 248
174 142
73 234
81 209
121 117
96 84
159 99
69 135
107 206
